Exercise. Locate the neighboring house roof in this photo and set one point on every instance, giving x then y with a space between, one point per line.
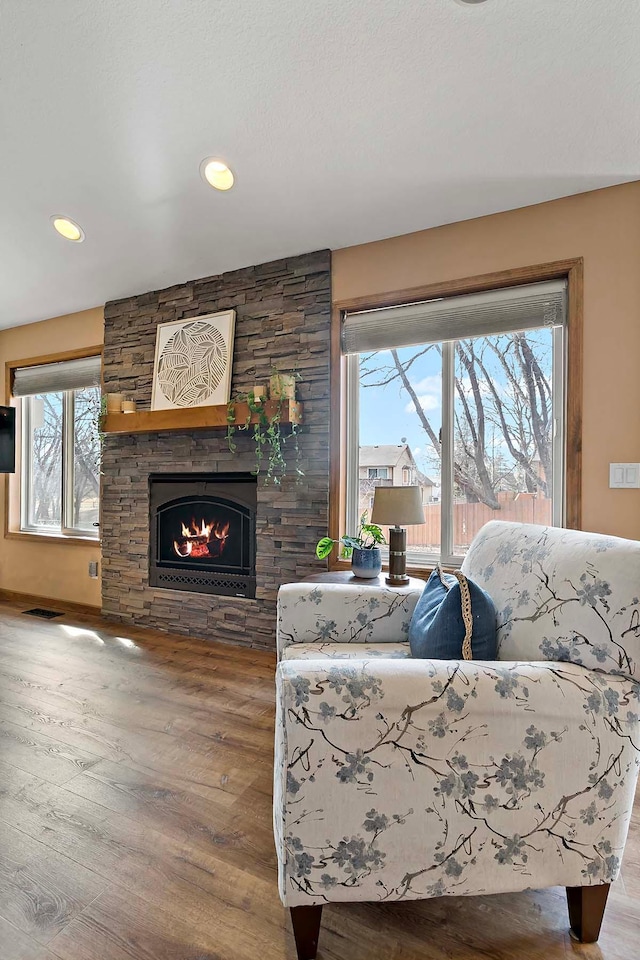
424 480
389 455
384 455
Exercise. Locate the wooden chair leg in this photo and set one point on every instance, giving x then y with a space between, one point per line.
306 929
586 910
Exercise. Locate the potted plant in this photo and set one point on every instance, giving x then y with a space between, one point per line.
268 437
282 386
366 560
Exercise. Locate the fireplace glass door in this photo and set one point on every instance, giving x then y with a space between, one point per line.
211 533
203 533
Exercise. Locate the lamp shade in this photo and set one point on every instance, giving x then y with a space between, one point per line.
397 506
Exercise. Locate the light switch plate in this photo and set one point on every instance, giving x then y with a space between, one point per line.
624 476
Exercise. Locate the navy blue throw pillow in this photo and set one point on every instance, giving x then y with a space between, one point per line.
439 623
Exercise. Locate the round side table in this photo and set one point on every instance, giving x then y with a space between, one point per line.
345 576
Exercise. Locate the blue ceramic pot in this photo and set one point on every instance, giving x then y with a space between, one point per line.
366 564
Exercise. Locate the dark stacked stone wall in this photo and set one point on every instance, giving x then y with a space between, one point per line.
283 314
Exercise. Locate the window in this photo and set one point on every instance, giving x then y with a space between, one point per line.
60 452
378 473
475 385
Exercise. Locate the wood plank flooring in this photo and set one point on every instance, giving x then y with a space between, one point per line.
135 818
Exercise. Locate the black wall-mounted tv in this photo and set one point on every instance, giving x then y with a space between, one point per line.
7 440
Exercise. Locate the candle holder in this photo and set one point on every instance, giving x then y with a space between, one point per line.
114 402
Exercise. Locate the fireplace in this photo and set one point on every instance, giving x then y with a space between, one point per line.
203 533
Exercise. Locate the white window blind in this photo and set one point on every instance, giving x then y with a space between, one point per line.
55 377
454 318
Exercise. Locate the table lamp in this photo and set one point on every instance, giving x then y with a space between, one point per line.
396 507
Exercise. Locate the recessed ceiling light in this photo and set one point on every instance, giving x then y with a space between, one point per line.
68 229
468 3
217 174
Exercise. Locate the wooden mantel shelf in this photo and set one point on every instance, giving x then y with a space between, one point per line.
198 418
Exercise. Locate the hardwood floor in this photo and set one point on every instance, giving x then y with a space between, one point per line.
135 818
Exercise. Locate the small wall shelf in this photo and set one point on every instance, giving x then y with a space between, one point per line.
198 418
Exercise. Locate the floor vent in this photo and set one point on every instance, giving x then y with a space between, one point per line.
42 613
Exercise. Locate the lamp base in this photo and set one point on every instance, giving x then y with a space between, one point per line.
399 581
397 576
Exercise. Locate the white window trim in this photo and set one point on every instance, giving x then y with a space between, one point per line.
446 555
66 529
352 398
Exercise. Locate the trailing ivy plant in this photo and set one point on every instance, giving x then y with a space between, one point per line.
293 433
100 415
293 436
267 436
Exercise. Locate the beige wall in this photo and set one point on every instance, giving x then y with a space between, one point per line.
58 571
603 227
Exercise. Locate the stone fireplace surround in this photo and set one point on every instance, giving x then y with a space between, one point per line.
283 312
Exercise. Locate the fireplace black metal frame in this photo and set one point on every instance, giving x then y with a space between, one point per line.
237 492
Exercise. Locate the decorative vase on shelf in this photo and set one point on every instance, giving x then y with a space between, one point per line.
282 386
366 564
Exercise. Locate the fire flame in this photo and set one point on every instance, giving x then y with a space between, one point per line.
196 538
193 531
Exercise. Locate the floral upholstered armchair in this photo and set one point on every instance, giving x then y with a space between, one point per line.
398 778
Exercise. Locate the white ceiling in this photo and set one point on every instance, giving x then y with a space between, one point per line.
343 120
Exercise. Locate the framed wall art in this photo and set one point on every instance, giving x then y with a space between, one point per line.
193 362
